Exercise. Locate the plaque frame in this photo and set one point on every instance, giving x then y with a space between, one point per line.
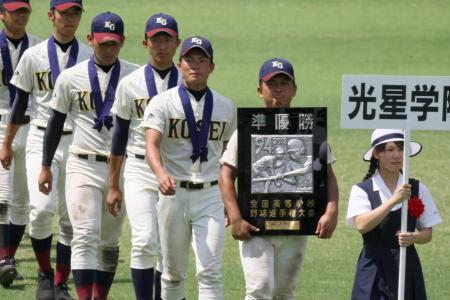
282 186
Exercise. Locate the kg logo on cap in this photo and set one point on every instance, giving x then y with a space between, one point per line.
277 64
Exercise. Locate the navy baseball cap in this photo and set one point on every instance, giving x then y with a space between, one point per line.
62 5
276 66
13 5
196 42
161 23
107 27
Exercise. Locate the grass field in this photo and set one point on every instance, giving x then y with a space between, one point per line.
323 39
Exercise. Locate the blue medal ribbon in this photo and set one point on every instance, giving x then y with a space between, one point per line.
198 139
53 57
103 107
7 64
150 80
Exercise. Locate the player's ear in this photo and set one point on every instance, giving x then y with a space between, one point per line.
90 38
259 89
213 65
145 43
51 15
179 64
178 42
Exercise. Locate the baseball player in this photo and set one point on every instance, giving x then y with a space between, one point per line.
140 185
13 192
186 128
87 92
265 259
34 78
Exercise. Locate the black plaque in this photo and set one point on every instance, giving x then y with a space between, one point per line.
282 175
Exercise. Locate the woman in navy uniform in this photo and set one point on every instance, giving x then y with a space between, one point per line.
374 209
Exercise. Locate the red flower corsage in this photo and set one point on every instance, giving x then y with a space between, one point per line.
415 207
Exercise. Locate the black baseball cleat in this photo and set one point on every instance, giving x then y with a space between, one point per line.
45 289
62 292
8 271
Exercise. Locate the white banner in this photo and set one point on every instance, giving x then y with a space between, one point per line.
376 101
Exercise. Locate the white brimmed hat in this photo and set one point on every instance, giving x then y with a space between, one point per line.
382 136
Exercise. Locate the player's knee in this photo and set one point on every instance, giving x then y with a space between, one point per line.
108 259
4 216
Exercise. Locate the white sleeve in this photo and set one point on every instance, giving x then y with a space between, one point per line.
121 106
232 125
23 77
154 115
430 216
358 204
61 99
229 156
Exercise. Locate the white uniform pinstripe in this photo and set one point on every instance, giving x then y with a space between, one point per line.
13 182
33 75
140 185
95 231
191 216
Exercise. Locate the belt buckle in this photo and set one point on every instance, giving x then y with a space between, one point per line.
188 186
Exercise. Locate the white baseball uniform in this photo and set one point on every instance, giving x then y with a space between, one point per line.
95 231
33 75
192 215
13 182
140 184
271 263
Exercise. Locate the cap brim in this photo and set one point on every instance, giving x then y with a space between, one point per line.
267 77
13 6
66 6
158 30
104 37
183 53
415 148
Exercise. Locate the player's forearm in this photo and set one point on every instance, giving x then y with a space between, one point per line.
10 133
333 193
52 137
227 179
115 165
153 153
19 107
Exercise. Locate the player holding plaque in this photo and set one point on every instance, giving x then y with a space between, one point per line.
265 259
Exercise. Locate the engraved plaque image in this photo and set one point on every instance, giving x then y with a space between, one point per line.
281 164
282 168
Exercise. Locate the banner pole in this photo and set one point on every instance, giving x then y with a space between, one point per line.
404 221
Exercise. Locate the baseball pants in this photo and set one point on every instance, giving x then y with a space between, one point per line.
96 233
192 217
271 265
141 197
42 207
14 199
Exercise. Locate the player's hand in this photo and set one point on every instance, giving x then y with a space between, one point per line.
326 225
402 192
241 230
114 201
45 180
406 239
226 220
6 156
167 185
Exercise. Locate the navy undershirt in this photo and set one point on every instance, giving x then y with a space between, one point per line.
162 73
197 94
15 42
120 136
64 46
19 107
52 136
105 68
